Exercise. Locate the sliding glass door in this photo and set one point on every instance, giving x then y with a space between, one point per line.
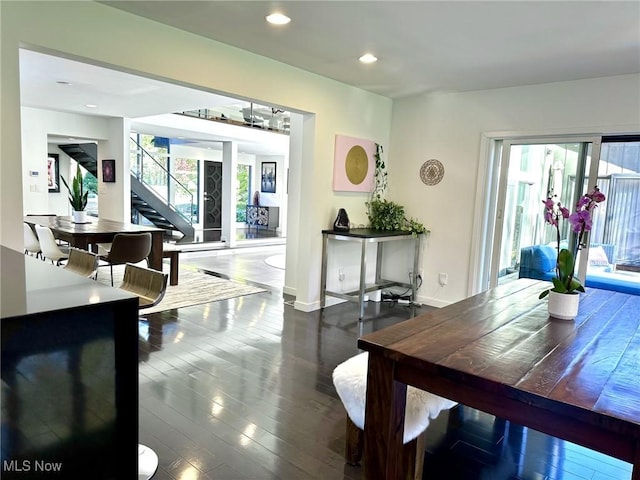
529 171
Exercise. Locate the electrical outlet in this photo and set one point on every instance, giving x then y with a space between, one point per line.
443 279
341 275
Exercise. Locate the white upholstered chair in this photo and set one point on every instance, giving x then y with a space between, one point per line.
31 243
49 247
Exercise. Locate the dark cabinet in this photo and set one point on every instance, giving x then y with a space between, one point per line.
69 361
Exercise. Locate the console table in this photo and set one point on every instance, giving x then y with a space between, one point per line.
364 237
69 365
263 216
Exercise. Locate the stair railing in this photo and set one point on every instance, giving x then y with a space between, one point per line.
155 176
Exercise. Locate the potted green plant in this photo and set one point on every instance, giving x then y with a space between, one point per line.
563 296
387 215
384 214
77 197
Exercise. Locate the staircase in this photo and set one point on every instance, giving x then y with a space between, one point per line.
146 199
85 154
155 209
143 199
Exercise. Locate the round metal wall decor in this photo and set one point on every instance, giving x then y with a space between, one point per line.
356 165
431 172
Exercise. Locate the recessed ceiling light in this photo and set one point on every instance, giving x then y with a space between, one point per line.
91 105
368 58
278 19
63 82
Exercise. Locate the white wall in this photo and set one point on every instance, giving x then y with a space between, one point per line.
37 125
451 127
116 39
277 198
114 199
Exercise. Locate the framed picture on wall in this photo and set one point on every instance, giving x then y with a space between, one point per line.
268 178
53 172
108 171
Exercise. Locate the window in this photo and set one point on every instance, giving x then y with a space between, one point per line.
243 192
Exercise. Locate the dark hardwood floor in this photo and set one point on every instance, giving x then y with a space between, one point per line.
242 389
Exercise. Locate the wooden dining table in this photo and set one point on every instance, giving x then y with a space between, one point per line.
501 353
98 230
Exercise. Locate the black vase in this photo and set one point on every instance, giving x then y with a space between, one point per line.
342 221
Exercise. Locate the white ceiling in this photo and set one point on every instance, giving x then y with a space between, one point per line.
422 46
119 94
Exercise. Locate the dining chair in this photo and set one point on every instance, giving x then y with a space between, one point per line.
149 286
82 262
128 248
49 247
31 243
58 241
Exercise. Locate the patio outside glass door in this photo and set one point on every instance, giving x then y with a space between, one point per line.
618 221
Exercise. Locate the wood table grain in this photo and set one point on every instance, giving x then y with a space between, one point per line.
499 352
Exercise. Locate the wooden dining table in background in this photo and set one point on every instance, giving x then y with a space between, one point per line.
97 230
501 353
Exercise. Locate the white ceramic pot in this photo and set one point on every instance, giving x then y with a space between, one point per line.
563 305
79 217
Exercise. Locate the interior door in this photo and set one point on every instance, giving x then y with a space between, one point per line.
212 219
529 171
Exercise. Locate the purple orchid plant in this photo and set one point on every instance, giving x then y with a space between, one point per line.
581 222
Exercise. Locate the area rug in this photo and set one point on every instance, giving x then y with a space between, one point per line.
277 261
194 288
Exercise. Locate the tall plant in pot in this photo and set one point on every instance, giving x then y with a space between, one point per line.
77 197
564 295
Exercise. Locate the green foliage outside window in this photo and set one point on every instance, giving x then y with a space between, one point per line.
90 182
242 192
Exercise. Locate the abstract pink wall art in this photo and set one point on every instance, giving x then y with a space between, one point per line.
353 164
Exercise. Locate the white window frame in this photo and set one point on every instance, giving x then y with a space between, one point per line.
490 199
